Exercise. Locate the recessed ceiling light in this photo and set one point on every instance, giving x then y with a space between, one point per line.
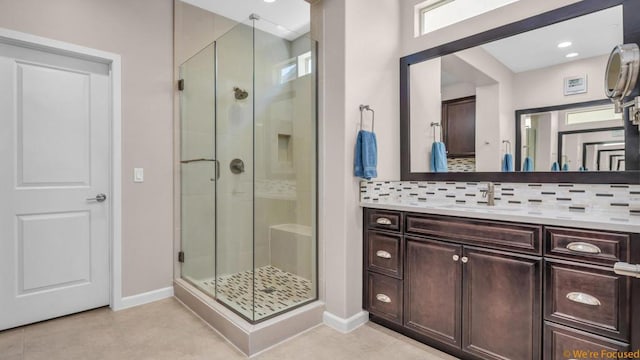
564 44
269 1
570 55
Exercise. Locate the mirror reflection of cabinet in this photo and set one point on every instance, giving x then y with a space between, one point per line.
459 127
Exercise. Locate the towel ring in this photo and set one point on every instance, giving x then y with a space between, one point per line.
507 146
434 125
364 108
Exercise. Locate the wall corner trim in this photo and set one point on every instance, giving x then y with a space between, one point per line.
345 325
144 298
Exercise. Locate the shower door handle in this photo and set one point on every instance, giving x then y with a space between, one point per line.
216 169
216 162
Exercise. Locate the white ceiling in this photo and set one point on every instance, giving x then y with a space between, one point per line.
292 16
592 35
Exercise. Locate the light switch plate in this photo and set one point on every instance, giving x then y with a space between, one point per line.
138 174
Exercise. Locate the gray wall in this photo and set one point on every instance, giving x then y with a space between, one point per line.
140 31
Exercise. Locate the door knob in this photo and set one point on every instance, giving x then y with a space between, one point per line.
98 198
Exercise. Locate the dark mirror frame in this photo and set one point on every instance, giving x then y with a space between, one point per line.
519 113
631 9
598 154
561 135
584 145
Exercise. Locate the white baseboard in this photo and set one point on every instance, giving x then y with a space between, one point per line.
345 325
144 298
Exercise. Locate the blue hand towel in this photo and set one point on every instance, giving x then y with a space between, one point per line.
565 167
528 164
555 166
438 157
366 155
507 163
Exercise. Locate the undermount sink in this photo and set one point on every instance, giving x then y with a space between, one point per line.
486 208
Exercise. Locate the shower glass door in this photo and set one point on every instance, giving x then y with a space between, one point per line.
266 194
248 170
285 170
235 100
198 169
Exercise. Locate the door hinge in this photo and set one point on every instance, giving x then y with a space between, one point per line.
181 84
181 256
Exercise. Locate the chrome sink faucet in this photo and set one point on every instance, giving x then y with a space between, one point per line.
490 194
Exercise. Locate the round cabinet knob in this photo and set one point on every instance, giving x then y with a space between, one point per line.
456 257
465 259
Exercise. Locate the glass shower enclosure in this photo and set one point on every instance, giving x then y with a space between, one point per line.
248 170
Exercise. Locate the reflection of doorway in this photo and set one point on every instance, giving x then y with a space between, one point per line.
459 127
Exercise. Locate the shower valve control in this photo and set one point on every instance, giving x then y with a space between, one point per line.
236 166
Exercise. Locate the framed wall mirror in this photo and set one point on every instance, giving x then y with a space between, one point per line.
549 71
566 137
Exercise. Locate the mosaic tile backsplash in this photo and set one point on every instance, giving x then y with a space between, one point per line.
571 197
461 164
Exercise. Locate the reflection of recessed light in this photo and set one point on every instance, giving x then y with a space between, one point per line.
570 55
269 1
564 44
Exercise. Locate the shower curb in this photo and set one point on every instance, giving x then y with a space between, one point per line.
248 338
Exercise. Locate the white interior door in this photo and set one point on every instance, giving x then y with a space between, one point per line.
54 157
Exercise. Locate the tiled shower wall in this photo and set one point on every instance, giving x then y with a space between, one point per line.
570 197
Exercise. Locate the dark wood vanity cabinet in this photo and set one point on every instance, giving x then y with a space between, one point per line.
481 289
471 287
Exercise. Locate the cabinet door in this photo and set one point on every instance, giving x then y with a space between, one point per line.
433 289
501 305
459 125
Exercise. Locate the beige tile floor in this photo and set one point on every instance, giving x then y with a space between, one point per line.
167 330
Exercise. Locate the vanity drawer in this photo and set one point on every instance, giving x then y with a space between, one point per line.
585 245
559 339
384 253
384 219
384 297
592 298
514 237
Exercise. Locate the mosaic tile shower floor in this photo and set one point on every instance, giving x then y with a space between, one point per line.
275 290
